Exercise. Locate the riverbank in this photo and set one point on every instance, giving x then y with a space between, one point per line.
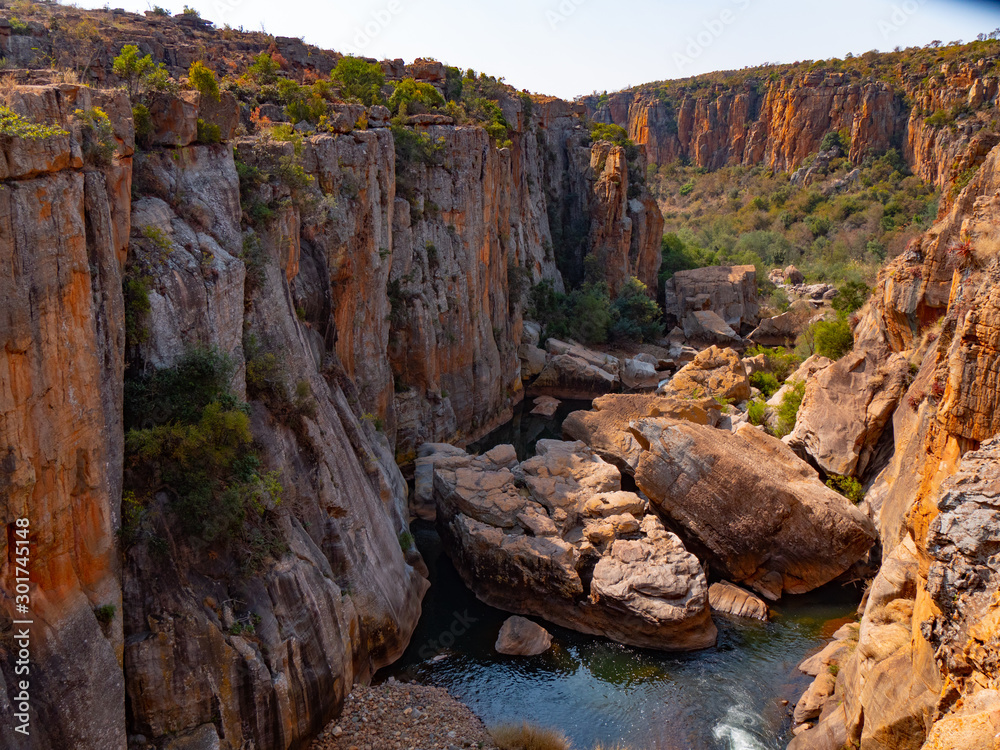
404 716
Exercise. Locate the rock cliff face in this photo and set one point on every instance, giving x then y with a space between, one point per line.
922 674
63 237
779 118
388 290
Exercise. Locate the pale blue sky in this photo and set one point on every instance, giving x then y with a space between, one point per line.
573 47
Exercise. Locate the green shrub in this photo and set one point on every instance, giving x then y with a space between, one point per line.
757 412
788 412
687 188
190 435
851 297
409 92
833 338
13 125
359 80
600 131
635 316
263 70
849 487
143 122
766 382
132 68
202 78
135 290
208 132
99 143
105 613
780 361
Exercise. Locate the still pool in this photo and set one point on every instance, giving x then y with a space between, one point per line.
724 698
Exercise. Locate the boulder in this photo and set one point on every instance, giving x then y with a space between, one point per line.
174 118
730 292
546 406
792 275
784 329
522 637
422 498
845 409
532 359
605 428
531 333
640 375
806 370
378 116
556 537
223 112
761 514
811 704
714 372
567 376
728 599
707 326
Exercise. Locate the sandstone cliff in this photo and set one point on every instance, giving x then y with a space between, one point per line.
778 116
919 676
368 302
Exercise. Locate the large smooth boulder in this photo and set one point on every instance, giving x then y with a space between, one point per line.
783 329
760 513
640 375
846 408
728 291
572 377
714 372
707 326
605 427
174 118
520 636
556 537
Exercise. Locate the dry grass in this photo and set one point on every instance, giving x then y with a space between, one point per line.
527 736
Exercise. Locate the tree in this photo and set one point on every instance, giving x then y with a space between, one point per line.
359 80
636 317
409 91
132 68
203 78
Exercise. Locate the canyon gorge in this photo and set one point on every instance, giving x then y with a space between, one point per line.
315 317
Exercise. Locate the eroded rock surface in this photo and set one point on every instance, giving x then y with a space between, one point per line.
556 537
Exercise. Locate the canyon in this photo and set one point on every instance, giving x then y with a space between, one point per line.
367 285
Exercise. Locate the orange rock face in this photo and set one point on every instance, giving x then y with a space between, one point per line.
778 122
60 425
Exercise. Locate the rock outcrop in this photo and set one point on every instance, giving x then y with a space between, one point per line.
714 372
799 535
556 537
918 677
779 117
845 409
728 291
521 637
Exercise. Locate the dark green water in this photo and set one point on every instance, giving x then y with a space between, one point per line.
726 698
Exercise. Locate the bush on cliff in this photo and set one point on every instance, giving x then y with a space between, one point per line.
188 438
411 96
359 80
